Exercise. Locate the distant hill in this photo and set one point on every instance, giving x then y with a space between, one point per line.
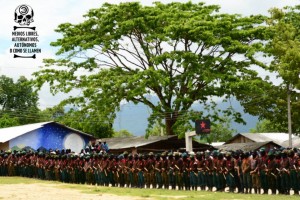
134 118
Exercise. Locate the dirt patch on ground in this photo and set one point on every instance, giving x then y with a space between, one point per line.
50 192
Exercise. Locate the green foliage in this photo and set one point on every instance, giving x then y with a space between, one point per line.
285 44
269 102
7 121
271 105
180 52
18 102
220 131
285 48
265 126
157 129
122 133
53 113
77 119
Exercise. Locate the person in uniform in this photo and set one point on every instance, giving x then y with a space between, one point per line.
117 170
135 170
280 159
296 182
105 166
121 170
201 169
246 168
125 169
263 168
111 170
221 172
178 164
171 171
140 166
71 168
129 171
150 171
164 171
293 175
209 172
186 171
193 170
157 170
271 171
254 172
229 172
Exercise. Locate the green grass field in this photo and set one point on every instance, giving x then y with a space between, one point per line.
146 193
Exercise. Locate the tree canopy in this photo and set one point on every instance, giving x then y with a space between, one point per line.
73 118
180 52
122 133
266 126
283 47
18 102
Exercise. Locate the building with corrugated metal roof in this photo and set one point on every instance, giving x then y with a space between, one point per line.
49 135
280 139
140 144
248 147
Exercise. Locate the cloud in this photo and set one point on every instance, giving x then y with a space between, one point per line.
251 7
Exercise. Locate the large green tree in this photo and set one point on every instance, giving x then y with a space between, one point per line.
180 52
285 44
283 49
76 119
266 126
18 101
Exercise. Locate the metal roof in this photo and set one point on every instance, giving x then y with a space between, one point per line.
9 133
250 146
278 138
295 143
129 142
256 137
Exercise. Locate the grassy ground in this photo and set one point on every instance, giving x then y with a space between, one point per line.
148 193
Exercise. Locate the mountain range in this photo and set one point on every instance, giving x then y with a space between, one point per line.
133 118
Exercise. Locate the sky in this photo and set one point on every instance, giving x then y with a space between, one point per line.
49 14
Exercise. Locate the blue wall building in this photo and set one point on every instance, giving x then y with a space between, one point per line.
50 135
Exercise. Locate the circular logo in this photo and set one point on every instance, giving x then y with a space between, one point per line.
23 9
74 142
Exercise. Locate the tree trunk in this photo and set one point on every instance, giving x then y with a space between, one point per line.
170 120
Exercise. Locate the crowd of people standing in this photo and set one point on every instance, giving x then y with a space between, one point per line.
259 172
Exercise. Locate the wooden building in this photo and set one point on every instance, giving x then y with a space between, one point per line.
248 147
152 144
267 140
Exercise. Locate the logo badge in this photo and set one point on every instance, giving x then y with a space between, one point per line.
25 38
24 15
202 126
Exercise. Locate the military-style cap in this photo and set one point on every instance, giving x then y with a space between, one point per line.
262 149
